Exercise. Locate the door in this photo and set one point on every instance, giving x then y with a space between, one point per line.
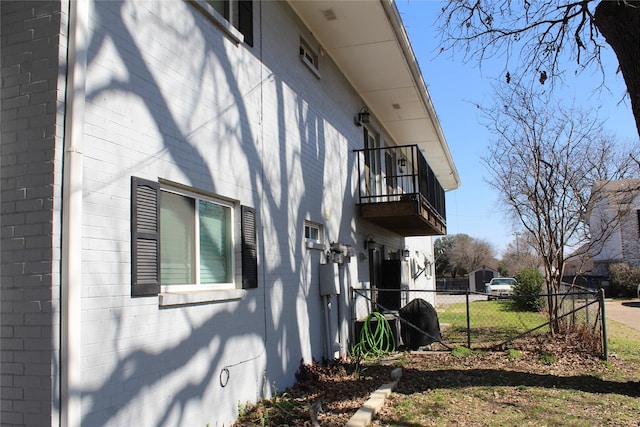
391 174
372 165
390 294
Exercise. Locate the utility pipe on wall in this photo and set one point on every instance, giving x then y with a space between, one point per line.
71 239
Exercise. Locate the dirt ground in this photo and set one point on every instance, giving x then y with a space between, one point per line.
340 390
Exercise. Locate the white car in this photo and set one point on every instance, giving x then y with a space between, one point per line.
500 287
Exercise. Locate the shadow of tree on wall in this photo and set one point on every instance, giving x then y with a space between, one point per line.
139 370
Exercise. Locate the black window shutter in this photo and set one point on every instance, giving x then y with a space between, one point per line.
249 248
245 20
145 237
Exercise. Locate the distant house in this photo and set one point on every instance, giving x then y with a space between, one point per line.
614 223
190 192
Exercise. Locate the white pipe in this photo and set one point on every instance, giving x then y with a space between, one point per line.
71 239
340 302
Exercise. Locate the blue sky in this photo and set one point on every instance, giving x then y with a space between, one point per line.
456 87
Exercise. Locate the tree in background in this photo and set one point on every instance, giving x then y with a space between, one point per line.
519 254
541 38
458 254
442 248
544 162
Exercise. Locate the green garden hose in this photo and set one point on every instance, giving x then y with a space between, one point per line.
377 342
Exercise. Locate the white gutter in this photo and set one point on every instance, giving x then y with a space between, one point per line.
71 244
405 44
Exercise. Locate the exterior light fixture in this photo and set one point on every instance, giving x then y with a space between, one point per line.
362 117
406 253
402 162
369 241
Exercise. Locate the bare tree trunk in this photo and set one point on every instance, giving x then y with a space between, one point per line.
619 23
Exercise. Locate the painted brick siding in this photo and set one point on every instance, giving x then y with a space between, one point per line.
30 185
170 97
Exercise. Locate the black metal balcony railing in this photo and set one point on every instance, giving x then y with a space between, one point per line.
397 174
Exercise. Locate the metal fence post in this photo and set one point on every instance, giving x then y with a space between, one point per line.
586 302
468 321
605 346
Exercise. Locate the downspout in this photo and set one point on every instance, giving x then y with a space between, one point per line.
71 239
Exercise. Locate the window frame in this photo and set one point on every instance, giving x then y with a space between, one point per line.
145 248
312 243
309 57
232 23
233 245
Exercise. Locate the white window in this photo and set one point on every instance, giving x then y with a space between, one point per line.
309 57
196 242
313 235
236 14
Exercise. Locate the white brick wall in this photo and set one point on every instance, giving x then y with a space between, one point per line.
29 150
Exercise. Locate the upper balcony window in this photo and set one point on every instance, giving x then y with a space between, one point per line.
237 13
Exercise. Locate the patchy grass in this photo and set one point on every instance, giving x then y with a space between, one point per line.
547 358
463 352
623 341
513 353
494 390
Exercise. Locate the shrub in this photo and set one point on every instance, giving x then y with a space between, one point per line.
527 290
624 277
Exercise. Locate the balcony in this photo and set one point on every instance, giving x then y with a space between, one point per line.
399 191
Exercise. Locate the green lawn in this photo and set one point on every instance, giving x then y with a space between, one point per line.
491 322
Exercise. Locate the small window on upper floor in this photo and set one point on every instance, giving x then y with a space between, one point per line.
238 13
309 57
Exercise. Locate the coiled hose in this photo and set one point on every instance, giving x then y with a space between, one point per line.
376 342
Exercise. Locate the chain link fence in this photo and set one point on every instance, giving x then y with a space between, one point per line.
471 320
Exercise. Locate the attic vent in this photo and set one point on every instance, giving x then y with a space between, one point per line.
396 106
329 15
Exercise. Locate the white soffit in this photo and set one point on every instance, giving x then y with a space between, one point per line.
367 40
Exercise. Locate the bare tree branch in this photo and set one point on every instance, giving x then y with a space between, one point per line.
547 162
539 39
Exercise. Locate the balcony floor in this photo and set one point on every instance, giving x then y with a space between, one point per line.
404 217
